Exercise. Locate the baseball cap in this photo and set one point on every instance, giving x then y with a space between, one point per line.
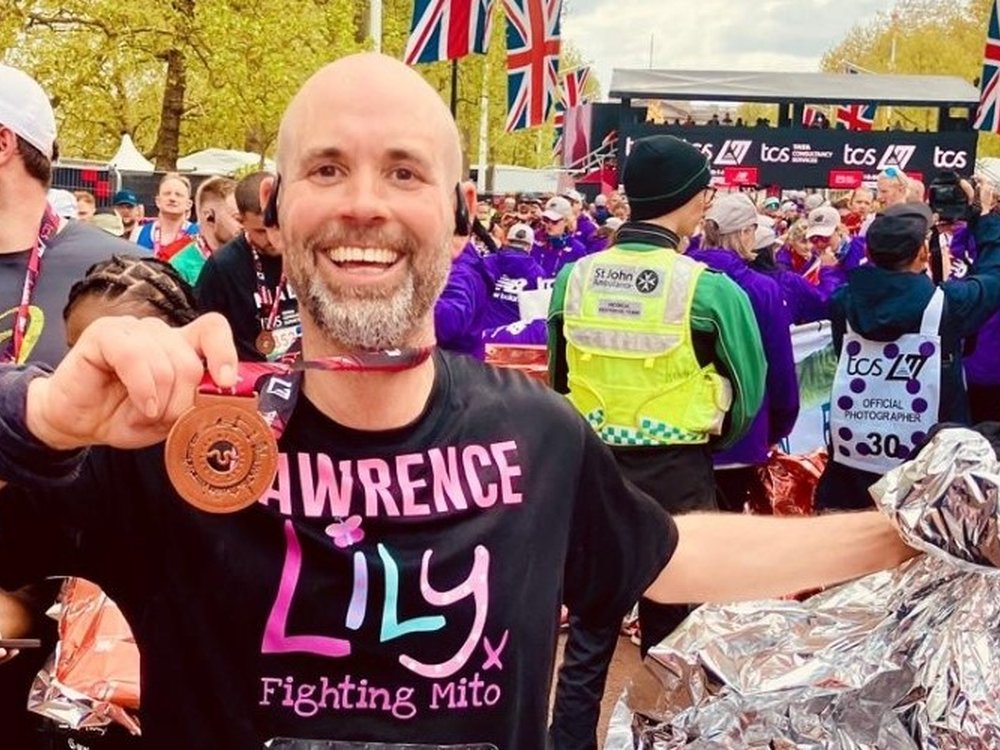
772 203
764 237
814 201
613 223
601 200
572 195
520 235
898 233
63 202
110 223
789 206
557 209
126 198
732 213
662 174
823 221
25 109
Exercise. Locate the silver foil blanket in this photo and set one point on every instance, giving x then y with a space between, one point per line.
908 658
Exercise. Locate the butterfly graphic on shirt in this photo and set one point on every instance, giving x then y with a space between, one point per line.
36 324
346 533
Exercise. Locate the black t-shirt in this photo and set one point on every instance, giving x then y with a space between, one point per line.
228 285
67 257
435 621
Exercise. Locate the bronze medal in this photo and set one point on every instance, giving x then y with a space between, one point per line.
221 456
265 343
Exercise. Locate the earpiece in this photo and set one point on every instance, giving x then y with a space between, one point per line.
271 209
462 224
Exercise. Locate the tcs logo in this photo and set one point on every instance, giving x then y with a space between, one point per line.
945 159
894 156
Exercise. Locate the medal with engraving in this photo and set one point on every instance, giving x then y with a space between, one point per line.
222 454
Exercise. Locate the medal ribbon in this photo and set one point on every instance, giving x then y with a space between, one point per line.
48 227
277 396
262 290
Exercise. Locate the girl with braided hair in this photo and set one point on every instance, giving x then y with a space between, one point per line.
129 285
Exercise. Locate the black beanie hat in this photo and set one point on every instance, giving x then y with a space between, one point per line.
897 234
662 174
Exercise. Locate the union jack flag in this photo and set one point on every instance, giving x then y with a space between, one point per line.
987 116
856 116
573 85
448 29
532 61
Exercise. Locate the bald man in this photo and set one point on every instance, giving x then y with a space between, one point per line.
400 578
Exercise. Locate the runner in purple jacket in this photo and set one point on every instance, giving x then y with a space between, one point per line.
513 271
460 311
558 247
982 360
730 229
806 302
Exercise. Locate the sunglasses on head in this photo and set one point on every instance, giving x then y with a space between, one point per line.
893 173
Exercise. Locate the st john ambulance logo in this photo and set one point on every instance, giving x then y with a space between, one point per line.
647 281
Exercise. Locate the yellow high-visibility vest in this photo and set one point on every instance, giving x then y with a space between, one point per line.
633 370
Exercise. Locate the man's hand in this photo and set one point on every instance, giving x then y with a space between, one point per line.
127 381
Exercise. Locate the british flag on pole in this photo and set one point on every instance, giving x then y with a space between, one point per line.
448 29
532 61
987 117
573 87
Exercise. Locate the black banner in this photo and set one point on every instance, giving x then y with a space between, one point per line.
813 158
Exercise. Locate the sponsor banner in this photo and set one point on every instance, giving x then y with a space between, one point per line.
817 158
740 176
815 365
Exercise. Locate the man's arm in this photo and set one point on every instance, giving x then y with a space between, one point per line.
975 299
723 309
558 369
724 557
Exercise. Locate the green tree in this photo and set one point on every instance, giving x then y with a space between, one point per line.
181 75
919 37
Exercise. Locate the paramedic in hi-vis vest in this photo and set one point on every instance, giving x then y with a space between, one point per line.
900 339
664 359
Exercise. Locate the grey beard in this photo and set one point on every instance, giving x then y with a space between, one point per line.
371 323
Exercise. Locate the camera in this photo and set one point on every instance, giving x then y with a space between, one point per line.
947 199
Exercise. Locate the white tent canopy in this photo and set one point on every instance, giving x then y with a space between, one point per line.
128 158
221 161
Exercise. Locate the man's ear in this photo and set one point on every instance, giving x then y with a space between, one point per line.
467 192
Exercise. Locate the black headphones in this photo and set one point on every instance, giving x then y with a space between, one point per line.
462 224
271 209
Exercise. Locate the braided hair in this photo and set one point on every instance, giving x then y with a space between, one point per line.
128 278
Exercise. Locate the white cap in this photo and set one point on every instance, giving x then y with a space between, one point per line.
520 235
601 200
613 223
814 201
764 237
63 202
573 195
557 208
732 212
823 222
25 109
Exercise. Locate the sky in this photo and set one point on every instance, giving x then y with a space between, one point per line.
710 34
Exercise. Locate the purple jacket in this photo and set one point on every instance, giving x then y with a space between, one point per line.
780 408
806 302
556 252
461 309
982 363
585 228
513 271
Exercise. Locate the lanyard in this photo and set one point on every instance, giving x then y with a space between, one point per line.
48 227
267 317
277 384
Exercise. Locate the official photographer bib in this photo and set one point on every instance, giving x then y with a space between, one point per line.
886 395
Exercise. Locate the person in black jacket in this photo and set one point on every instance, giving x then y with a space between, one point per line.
900 339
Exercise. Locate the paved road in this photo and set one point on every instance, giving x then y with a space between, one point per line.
624 664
